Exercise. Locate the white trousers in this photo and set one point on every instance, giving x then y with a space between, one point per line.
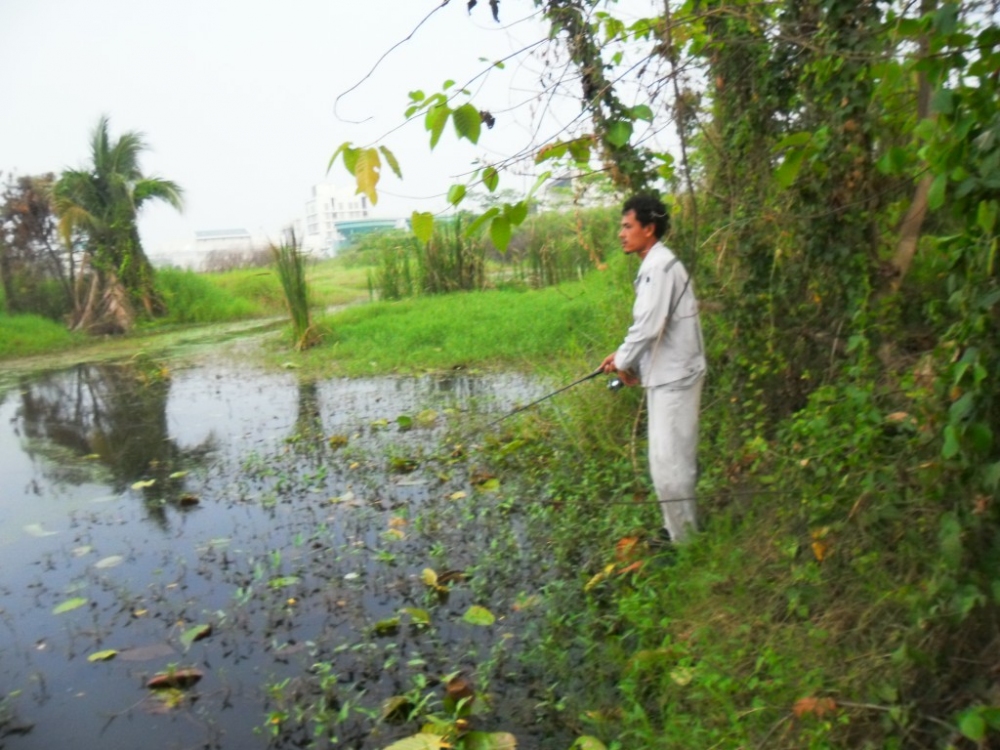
673 454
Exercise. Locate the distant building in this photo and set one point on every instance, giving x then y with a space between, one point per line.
225 240
327 206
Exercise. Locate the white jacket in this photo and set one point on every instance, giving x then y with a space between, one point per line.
664 344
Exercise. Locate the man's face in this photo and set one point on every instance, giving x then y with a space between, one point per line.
635 237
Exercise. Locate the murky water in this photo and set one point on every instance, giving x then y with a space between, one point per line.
294 519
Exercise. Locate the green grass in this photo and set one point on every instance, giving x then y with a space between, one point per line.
194 298
22 335
526 329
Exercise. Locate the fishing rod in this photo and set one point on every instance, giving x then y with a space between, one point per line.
614 385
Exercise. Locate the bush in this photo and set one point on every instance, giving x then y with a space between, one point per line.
192 298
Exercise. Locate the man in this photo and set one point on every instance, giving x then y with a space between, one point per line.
664 352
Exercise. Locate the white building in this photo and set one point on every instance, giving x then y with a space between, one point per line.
324 209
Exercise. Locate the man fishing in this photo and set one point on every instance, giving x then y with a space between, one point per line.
664 352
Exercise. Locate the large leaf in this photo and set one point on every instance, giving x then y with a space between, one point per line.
435 120
422 224
102 655
491 178
788 170
619 133
500 232
367 171
390 159
456 193
467 122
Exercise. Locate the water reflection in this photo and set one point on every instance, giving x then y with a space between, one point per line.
110 417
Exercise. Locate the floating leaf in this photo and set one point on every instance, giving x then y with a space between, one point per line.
283 581
489 741
460 495
417 616
195 633
430 578
175 678
69 605
81 551
404 421
396 709
422 741
109 562
490 485
477 615
427 417
178 475
388 626
143 484
36 530
403 465
337 441
102 655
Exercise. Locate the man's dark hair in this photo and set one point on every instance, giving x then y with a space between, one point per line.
649 210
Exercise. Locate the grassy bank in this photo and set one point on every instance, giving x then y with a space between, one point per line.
23 335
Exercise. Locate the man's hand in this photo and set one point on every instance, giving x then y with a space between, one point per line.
608 365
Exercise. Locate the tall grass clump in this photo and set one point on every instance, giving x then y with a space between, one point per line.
451 261
290 263
558 246
193 298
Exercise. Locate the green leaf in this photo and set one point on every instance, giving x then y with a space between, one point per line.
935 198
642 112
619 133
477 615
340 150
417 96
456 193
102 655
422 741
196 633
972 725
467 122
516 212
140 485
283 582
500 232
580 150
489 741
491 178
542 179
434 122
479 222
588 743
417 616
788 170
422 224
390 159
404 421
951 445
69 605
551 151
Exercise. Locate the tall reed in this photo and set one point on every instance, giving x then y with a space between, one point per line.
290 263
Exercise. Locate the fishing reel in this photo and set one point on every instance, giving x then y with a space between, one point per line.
615 384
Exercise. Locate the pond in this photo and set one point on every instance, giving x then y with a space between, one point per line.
280 558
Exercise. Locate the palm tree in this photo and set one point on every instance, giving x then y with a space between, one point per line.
97 208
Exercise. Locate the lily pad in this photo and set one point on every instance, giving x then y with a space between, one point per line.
69 605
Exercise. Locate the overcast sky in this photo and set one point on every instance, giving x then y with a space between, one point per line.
236 98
